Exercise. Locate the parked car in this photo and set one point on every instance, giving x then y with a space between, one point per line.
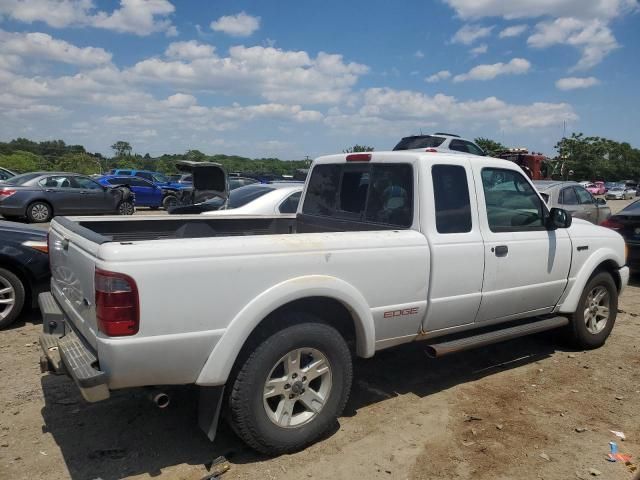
209 182
627 223
265 314
237 182
24 269
39 196
6 174
575 199
595 188
439 142
171 190
620 193
146 193
257 199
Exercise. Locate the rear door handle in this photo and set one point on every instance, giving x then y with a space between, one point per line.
501 250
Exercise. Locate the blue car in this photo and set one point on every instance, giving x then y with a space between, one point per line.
147 194
171 190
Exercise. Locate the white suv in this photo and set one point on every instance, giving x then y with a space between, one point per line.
439 142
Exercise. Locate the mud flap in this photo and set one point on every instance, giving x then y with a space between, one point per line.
209 407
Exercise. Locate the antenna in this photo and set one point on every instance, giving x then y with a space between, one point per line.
564 129
420 131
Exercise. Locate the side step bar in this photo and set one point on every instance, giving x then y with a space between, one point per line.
435 350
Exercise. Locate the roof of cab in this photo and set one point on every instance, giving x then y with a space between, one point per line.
404 156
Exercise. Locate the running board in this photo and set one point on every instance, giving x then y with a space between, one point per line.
435 350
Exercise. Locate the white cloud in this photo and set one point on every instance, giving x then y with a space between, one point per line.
436 77
43 46
419 54
515 66
539 8
240 25
470 33
189 50
571 83
593 38
513 31
480 49
141 17
386 109
277 75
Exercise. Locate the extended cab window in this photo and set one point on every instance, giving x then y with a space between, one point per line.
373 193
451 195
512 203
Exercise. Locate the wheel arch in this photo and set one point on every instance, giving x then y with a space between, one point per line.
335 301
22 273
606 260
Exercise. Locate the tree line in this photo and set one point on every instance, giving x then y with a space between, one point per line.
578 157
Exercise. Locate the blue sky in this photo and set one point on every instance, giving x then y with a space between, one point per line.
287 79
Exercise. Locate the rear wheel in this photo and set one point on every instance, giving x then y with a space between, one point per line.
595 316
12 295
292 388
39 212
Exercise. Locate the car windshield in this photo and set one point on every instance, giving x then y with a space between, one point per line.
21 179
423 141
243 195
159 178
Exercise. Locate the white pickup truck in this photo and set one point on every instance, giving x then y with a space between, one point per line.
264 314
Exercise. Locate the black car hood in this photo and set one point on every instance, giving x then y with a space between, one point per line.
22 228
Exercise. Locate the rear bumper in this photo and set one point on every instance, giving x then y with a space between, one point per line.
64 351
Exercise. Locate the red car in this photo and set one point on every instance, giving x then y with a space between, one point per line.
596 188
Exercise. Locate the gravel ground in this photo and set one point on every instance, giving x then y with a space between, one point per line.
528 408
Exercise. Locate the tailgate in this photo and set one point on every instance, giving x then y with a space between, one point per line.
72 259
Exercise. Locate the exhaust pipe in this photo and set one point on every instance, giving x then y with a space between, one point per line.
160 399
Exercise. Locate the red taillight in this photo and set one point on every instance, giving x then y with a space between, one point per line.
431 150
358 157
612 224
117 307
6 192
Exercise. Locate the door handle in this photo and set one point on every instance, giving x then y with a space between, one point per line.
501 250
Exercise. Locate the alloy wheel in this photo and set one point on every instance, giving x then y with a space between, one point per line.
596 310
7 298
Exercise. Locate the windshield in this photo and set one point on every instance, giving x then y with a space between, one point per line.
21 179
423 141
243 195
159 178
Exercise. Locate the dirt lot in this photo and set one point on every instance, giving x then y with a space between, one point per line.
514 410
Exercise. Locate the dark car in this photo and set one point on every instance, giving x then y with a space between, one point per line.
39 196
24 269
147 194
627 223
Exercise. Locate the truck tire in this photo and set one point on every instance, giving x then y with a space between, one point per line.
292 388
597 309
12 295
39 212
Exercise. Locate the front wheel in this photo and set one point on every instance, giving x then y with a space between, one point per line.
292 388
169 201
126 208
12 296
593 320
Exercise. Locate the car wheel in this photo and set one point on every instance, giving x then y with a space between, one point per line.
39 212
169 201
126 208
12 295
292 388
596 314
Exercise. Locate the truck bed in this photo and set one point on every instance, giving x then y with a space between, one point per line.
118 229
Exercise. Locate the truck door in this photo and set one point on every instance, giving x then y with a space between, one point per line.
457 250
526 265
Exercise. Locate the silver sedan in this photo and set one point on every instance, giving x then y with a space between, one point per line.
575 199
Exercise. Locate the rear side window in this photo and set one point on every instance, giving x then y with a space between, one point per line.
458 145
290 204
373 193
424 141
243 195
451 195
473 149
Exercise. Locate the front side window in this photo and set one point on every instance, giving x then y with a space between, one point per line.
568 197
473 149
158 177
58 181
374 193
86 183
512 203
451 196
584 197
458 146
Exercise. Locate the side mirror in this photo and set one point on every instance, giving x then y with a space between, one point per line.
558 218
601 201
